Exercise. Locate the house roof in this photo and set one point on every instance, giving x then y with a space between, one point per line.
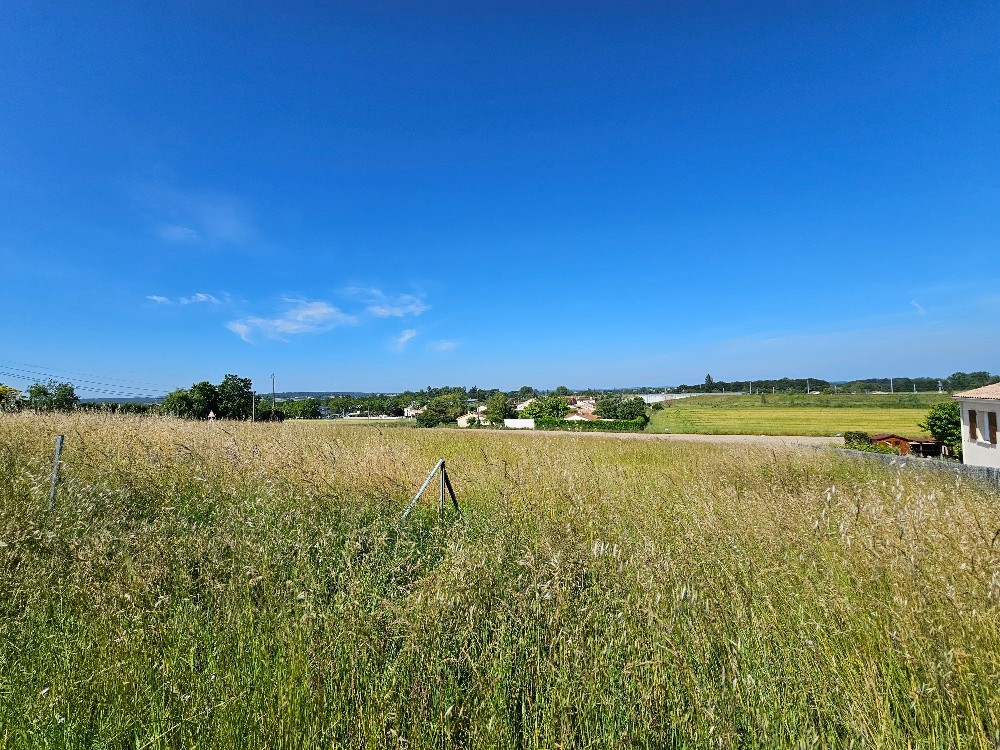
887 435
987 391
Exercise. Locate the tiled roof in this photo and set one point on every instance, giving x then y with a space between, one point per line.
987 391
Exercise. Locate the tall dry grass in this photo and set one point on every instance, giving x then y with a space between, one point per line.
238 585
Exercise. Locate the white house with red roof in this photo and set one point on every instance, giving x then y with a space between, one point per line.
980 409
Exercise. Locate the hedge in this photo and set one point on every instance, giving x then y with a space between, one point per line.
602 425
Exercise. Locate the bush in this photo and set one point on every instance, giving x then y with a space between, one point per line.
861 441
853 439
603 425
552 407
620 408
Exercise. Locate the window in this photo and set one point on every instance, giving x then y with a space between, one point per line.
973 428
991 421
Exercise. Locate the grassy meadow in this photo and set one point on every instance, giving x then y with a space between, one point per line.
796 414
248 586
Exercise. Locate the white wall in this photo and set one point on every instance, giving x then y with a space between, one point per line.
979 451
519 424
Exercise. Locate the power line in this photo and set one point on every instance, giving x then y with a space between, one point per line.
59 372
22 373
29 376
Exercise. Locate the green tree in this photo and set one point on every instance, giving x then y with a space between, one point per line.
442 410
618 407
204 399
709 384
51 396
525 392
10 398
178 403
235 397
561 391
944 423
39 397
302 408
499 408
64 397
552 407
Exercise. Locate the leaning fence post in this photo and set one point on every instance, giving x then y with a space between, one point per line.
445 487
55 472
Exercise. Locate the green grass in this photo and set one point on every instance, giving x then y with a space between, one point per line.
247 586
796 414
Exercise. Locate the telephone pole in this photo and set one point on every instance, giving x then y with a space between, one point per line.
272 395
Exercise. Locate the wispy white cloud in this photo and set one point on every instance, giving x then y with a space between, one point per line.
400 307
302 316
194 299
383 305
202 297
442 346
177 233
920 308
403 339
195 216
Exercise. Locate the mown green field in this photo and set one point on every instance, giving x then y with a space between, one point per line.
250 586
796 415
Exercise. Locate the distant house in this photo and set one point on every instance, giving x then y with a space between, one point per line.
923 447
898 442
980 408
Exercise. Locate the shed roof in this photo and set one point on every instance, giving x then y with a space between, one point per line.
987 391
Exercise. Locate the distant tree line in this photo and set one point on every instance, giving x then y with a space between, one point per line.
958 381
233 398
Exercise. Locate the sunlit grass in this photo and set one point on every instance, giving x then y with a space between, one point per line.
237 585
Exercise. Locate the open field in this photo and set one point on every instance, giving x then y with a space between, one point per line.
796 415
246 586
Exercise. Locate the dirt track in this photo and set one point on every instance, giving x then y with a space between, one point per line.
768 441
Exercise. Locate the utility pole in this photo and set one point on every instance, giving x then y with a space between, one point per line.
807 385
272 394
253 406
891 389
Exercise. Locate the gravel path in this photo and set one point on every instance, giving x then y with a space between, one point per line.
767 441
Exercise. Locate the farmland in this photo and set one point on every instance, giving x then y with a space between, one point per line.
796 414
249 585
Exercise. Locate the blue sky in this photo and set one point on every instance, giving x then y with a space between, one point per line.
378 196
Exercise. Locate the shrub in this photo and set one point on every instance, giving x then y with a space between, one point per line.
861 441
618 407
603 425
856 438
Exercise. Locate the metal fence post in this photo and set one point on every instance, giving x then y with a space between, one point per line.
441 498
445 486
